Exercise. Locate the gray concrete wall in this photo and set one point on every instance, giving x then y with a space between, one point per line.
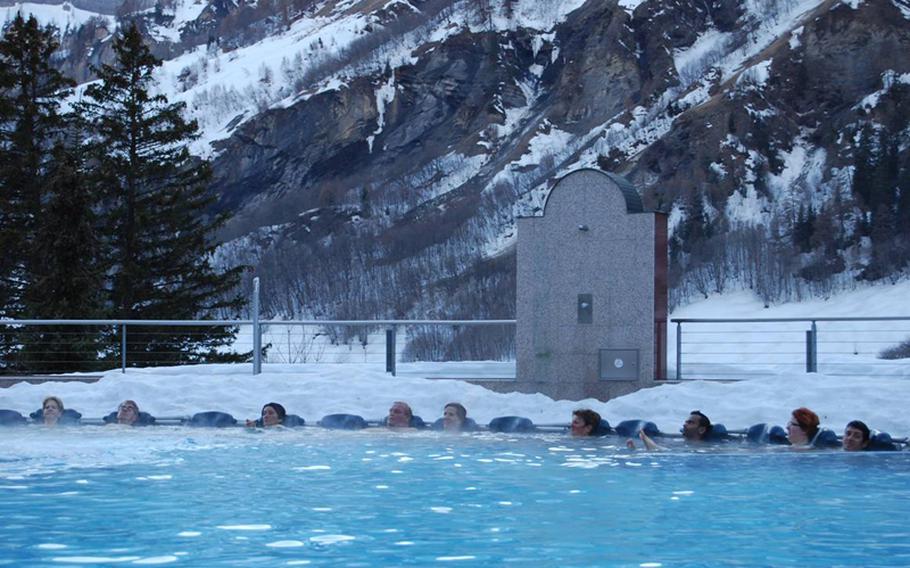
613 260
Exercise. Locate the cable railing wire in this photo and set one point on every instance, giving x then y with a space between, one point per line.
132 343
821 344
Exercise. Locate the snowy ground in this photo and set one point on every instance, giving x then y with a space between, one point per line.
868 388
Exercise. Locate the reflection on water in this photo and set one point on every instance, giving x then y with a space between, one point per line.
98 496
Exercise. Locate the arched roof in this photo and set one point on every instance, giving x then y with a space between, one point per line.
629 193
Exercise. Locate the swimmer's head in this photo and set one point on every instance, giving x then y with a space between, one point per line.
51 409
273 414
127 412
584 421
453 416
400 415
802 427
856 436
696 427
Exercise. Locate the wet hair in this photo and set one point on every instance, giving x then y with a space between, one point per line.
129 403
808 421
406 407
278 410
55 399
588 416
861 426
460 410
703 422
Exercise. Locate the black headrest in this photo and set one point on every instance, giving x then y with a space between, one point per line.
767 434
144 419
469 425
416 422
343 422
825 438
631 428
511 424
212 419
69 416
293 421
716 433
881 442
11 418
602 429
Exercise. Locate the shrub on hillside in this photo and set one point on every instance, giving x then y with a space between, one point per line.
901 351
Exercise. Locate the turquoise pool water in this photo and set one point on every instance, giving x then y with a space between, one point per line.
107 496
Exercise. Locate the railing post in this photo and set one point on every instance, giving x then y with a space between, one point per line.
257 331
812 349
123 348
390 350
679 351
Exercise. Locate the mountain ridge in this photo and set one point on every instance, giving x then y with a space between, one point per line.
376 154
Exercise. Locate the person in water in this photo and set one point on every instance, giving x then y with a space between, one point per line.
856 436
400 415
128 413
52 410
697 427
584 422
272 415
453 417
645 439
802 427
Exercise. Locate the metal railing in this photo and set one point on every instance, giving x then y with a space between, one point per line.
732 348
743 347
33 342
111 338
373 342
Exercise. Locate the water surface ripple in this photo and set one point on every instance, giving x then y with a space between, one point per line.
176 496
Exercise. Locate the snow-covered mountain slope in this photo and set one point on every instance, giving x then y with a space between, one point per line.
66 17
377 152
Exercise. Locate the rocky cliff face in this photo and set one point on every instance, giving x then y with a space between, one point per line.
805 87
379 174
745 109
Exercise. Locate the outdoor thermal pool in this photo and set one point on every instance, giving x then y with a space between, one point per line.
234 497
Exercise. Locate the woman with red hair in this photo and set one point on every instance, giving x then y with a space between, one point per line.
802 427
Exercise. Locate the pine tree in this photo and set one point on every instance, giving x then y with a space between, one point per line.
825 234
903 201
803 227
7 234
884 259
30 94
884 178
695 228
864 174
30 91
68 279
159 236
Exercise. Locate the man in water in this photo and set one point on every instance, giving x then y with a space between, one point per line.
400 415
697 427
128 413
856 436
